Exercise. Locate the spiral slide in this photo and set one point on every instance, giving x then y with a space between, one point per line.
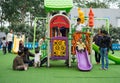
114 58
83 61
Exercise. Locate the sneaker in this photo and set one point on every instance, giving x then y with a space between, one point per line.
105 68
101 68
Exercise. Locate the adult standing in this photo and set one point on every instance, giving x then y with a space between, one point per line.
97 38
104 46
109 44
10 40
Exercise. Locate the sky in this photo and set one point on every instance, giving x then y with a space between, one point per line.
114 6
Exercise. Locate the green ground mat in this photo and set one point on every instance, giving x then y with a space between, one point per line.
57 73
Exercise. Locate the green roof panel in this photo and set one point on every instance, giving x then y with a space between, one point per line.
58 5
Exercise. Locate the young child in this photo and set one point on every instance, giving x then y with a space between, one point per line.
21 45
4 45
79 26
37 58
41 41
80 46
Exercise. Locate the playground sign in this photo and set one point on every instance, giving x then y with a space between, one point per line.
59 21
59 48
116 46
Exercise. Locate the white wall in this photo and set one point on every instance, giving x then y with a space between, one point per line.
112 14
118 22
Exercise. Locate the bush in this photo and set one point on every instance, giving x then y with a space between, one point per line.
114 32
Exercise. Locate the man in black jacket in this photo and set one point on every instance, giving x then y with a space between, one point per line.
104 46
26 57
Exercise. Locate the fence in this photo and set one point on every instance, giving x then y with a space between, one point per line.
29 45
116 46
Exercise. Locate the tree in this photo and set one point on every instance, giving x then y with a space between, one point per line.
95 3
15 11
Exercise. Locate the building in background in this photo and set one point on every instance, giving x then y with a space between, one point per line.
112 14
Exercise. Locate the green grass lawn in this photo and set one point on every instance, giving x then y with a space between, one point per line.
57 73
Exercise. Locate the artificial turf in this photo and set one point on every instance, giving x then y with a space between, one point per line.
57 73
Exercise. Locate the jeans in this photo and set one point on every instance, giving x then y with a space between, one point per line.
9 46
104 54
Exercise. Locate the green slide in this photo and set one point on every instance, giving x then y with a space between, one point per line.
114 58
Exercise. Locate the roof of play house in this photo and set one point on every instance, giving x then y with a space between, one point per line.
58 5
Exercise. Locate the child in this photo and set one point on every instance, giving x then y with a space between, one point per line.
37 58
80 46
41 41
4 45
21 45
79 26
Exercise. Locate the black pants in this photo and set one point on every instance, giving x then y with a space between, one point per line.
4 50
9 46
30 62
97 57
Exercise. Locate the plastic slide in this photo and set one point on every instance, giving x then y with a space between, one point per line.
83 61
43 60
43 57
44 54
114 58
16 42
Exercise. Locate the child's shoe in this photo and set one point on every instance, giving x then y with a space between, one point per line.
25 68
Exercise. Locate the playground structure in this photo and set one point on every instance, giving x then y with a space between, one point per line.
85 36
17 39
59 35
59 26
59 44
83 59
61 40
43 47
55 42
